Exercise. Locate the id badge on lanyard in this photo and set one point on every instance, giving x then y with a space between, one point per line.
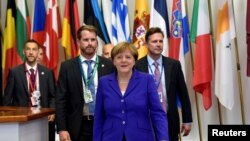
35 95
36 98
88 98
87 95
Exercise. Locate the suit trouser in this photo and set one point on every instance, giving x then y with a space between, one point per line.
52 131
123 137
173 138
87 129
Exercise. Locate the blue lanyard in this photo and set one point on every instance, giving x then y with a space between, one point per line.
157 83
91 77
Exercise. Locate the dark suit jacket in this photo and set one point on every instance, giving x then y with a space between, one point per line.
17 94
69 95
175 85
135 122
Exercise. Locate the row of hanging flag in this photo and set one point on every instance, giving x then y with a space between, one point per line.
112 21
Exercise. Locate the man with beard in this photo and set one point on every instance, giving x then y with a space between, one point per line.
31 84
77 85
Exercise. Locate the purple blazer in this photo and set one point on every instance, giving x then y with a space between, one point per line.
137 115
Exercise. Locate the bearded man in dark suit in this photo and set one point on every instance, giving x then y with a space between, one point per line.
31 84
77 85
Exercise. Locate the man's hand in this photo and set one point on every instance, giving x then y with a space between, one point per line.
51 118
64 136
185 129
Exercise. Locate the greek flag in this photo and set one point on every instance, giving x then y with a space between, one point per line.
120 22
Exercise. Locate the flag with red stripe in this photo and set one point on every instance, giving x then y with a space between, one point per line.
10 57
200 35
53 34
71 23
38 33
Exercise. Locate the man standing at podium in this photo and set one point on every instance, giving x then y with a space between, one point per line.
31 84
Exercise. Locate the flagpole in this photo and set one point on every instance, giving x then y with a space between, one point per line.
240 82
213 50
239 77
196 97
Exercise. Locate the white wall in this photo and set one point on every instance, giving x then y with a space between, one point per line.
217 114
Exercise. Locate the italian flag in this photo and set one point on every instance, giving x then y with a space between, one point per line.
200 35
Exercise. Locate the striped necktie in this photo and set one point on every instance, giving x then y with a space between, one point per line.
158 83
91 85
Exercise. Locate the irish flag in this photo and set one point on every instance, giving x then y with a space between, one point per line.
200 35
224 76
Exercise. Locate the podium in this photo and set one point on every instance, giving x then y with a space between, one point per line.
24 123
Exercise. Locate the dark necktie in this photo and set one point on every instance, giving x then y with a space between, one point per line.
32 83
32 76
91 85
157 75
